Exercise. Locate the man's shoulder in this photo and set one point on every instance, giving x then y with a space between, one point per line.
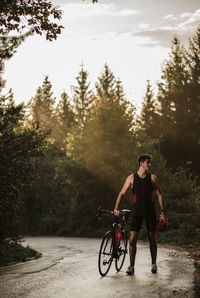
130 177
154 178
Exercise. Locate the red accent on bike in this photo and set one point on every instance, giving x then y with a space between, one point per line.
118 238
99 218
134 198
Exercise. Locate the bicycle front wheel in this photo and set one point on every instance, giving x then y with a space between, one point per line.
105 254
121 252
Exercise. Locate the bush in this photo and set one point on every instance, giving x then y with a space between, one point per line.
14 252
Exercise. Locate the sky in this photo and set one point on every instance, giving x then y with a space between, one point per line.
133 37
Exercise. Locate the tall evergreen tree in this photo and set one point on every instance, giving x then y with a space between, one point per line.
2 81
193 100
172 97
105 85
119 91
42 108
149 116
194 86
82 97
66 119
173 80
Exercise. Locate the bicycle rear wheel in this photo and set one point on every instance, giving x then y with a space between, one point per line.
105 254
121 252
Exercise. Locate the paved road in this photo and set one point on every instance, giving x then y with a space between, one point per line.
68 269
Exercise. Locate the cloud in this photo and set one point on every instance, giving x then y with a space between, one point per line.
127 12
172 25
185 15
144 26
192 21
169 16
156 37
86 20
89 10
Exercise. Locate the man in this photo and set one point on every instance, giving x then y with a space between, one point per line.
142 183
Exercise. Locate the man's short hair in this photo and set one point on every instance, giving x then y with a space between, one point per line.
143 157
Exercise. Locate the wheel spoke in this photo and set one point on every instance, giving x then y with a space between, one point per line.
105 254
122 251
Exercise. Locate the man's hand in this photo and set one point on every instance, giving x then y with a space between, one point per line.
116 212
162 216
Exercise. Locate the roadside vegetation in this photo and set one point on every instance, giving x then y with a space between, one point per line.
13 252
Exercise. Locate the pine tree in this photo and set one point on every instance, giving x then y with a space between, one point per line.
194 80
172 97
42 108
65 117
82 97
174 78
2 81
149 116
193 101
119 91
105 85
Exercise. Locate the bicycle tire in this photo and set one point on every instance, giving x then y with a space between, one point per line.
121 251
105 254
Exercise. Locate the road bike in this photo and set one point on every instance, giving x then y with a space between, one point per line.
114 242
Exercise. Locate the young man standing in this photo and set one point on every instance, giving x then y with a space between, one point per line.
143 184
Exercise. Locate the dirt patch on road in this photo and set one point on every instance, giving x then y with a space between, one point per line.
194 252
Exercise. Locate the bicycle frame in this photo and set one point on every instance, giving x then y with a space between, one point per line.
116 225
117 249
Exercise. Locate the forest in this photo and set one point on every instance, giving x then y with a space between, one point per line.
62 158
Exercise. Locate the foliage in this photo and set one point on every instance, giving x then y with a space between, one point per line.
15 252
149 116
2 82
89 176
105 84
42 106
18 148
38 15
104 145
9 44
176 107
82 98
47 206
65 117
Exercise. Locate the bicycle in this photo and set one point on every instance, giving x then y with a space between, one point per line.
114 242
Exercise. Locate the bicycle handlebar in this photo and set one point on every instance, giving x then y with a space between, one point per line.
121 212
105 211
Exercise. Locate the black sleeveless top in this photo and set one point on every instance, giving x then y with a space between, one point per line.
143 195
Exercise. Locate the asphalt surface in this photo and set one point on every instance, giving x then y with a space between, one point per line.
68 268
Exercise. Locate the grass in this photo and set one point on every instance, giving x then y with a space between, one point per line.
13 252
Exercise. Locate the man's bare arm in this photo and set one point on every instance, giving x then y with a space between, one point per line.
160 198
127 184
